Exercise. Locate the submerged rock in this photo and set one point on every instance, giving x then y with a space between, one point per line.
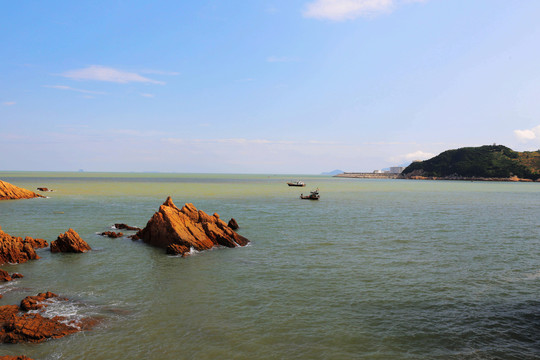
180 230
11 192
15 250
71 242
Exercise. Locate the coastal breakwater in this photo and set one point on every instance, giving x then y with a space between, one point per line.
357 175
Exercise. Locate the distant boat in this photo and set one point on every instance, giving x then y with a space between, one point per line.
296 183
314 195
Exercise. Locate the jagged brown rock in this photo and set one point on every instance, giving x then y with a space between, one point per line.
179 230
112 234
11 192
233 224
71 242
10 357
15 250
4 276
126 227
17 326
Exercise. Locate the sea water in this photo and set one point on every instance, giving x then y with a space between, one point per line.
376 269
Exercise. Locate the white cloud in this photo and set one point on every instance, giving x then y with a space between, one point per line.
102 73
9 103
147 95
417 155
339 10
64 87
528 134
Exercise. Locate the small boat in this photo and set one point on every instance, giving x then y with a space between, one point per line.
313 195
296 183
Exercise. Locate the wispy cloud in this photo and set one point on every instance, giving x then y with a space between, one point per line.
147 95
69 88
277 59
528 134
9 103
339 10
107 74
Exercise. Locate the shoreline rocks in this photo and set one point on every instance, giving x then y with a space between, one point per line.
11 192
180 230
69 242
17 325
15 250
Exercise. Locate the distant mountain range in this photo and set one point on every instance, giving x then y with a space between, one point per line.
484 162
332 173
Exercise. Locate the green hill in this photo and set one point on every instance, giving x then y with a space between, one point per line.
489 161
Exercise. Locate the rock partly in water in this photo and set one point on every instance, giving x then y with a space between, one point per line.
112 234
126 227
44 189
233 224
69 242
4 276
18 326
15 250
10 357
11 192
180 230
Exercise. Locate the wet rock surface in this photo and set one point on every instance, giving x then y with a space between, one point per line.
16 250
18 325
69 242
11 192
180 230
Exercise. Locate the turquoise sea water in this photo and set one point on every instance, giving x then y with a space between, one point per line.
377 269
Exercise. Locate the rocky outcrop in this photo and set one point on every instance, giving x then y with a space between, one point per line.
126 227
233 224
17 325
35 243
112 234
12 192
15 250
9 357
4 276
180 230
43 189
37 302
69 242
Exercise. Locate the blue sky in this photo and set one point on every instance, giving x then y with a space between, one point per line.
284 86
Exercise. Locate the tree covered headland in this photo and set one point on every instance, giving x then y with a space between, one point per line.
489 161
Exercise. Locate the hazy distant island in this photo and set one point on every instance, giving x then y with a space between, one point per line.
487 163
333 172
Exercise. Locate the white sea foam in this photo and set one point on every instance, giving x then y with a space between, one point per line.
72 312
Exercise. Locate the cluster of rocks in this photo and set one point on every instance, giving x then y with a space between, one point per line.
181 230
18 325
177 230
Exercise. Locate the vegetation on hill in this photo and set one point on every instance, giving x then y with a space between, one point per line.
489 161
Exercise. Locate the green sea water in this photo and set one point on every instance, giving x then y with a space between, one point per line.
376 269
